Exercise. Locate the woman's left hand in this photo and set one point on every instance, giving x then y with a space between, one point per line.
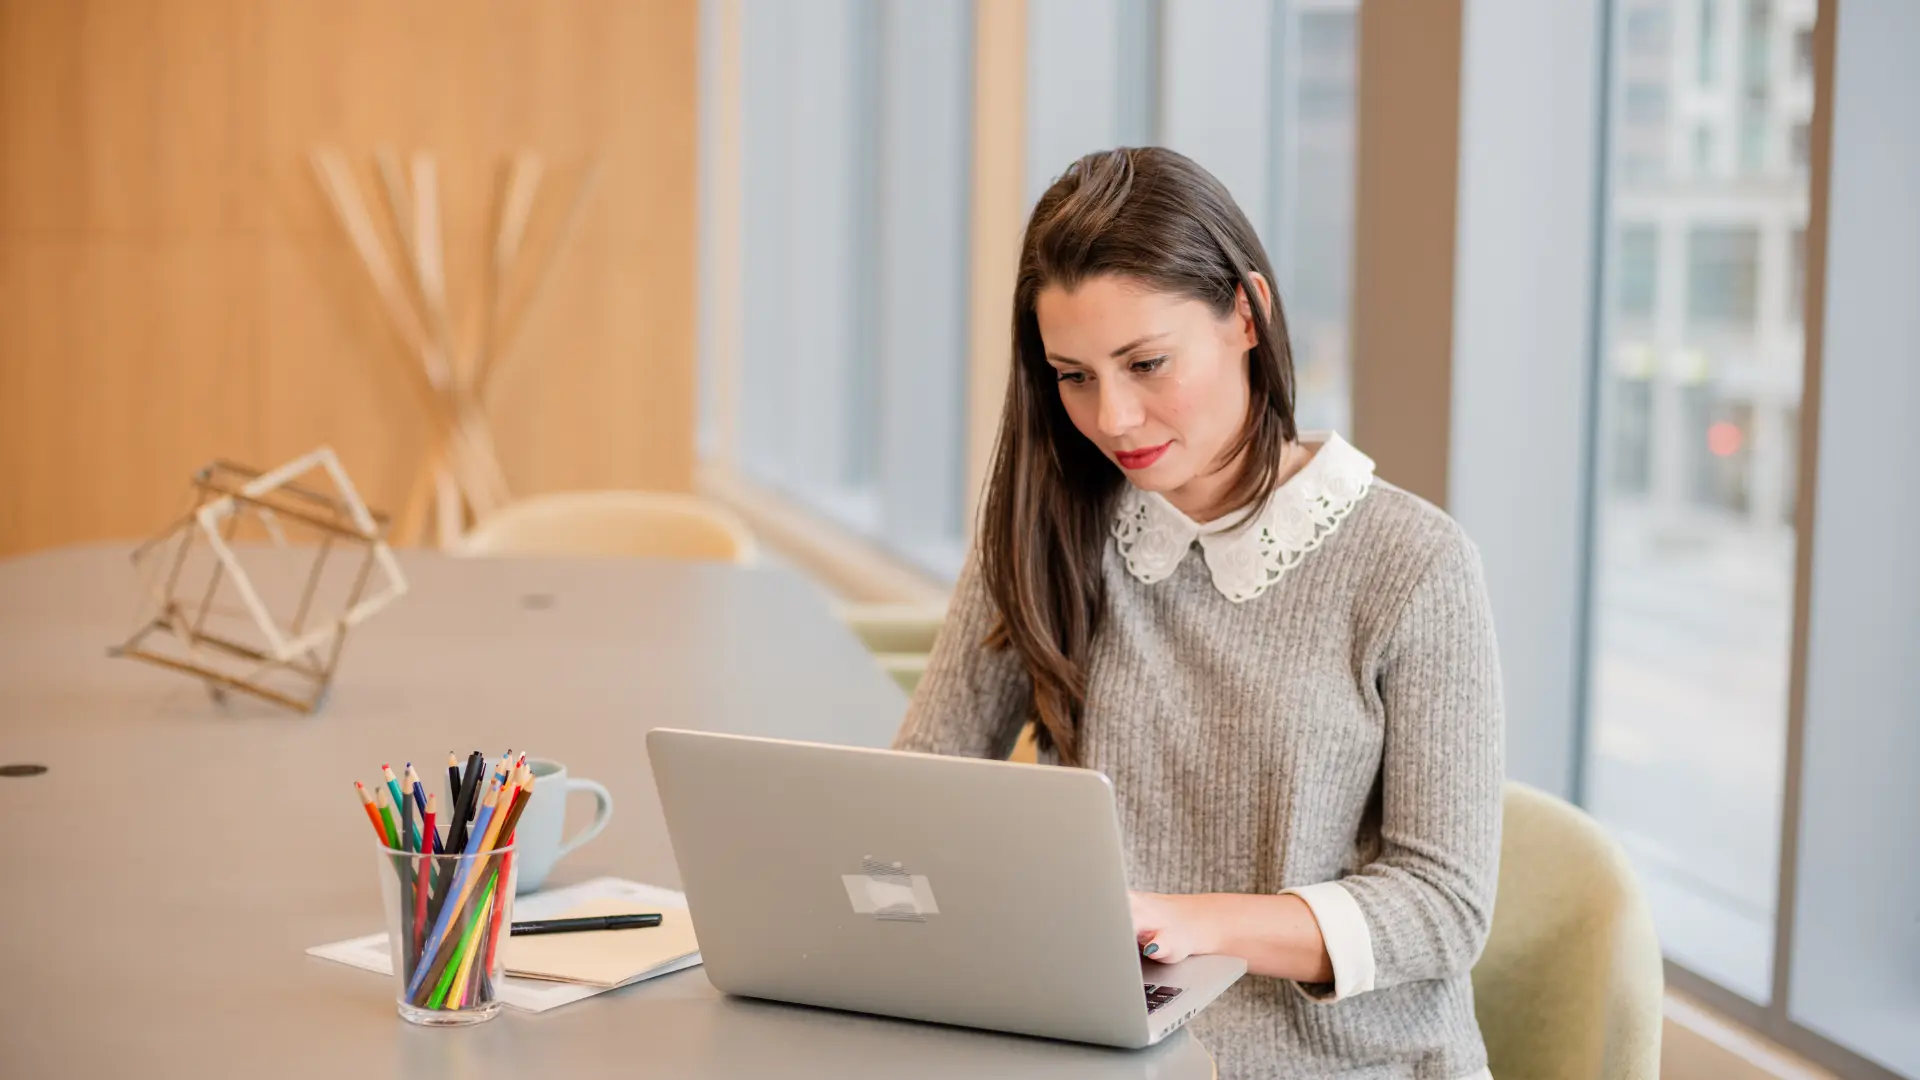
1169 928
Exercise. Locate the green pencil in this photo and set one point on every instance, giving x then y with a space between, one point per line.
440 989
386 817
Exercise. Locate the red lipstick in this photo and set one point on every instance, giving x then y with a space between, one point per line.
1140 459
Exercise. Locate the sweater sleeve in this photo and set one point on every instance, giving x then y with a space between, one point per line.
1427 900
973 699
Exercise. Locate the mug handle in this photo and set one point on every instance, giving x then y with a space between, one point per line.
601 814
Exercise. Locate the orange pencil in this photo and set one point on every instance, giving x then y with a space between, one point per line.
506 861
373 815
498 798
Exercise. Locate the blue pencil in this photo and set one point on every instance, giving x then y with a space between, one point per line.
420 803
457 889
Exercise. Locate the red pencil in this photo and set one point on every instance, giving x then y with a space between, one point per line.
373 815
425 875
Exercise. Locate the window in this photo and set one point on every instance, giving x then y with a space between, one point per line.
854 171
1803 54
1632 436
1702 149
1755 71
1797 137
1723 268
1753 142
1640 168
1309 233
1789 457
1287 155
1647 30
1646 103
1638 268
848 392
1796 302
1692 596
1722 451
1708 43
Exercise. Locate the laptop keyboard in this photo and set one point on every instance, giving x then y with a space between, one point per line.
1160 995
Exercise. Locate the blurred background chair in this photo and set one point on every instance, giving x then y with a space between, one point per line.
1571 982
901 636
642 524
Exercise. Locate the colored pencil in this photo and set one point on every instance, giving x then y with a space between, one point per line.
502 772
524 792
458 890
478 842
520 798
417 794
440 952
393 788
410 837
414 787
472 946
491 827
373 814
429 840
451 971
386 816
454 910
423 886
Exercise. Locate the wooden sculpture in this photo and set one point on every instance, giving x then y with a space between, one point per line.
461 477
208 615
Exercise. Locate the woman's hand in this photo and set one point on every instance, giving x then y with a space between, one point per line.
1276 935
1170 928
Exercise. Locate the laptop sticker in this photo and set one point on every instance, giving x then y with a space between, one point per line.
888 892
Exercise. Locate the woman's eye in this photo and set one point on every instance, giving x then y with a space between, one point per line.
1074 377
1148 367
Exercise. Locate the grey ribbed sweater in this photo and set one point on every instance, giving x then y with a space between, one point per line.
1344 725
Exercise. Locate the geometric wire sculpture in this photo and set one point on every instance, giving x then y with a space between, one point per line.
205 614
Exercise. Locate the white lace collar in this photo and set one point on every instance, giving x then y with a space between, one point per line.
1247 553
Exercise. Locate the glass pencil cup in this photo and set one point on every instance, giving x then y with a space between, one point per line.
447 916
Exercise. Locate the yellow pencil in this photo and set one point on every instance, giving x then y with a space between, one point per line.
474 874
502 800
449 912
457 993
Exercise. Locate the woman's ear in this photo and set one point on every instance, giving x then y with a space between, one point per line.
1245 310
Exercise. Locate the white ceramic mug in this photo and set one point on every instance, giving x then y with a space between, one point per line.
536 839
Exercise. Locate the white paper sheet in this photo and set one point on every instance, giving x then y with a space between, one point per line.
530 995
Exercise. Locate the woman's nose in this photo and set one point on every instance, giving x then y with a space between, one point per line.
1120 410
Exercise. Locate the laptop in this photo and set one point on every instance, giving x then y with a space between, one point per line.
981 894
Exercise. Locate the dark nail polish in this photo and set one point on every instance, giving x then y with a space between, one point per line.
1151 949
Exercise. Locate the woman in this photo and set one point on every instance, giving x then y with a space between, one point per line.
1302 717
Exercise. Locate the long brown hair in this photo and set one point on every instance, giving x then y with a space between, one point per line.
1155 217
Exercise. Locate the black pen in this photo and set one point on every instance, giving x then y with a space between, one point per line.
465 800
597 922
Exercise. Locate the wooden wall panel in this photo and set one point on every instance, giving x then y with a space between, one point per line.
173 287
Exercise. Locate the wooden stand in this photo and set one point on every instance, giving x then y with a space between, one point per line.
461 478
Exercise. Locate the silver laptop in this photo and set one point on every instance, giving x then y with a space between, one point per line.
982 894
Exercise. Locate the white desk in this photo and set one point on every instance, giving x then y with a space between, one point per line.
159 884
